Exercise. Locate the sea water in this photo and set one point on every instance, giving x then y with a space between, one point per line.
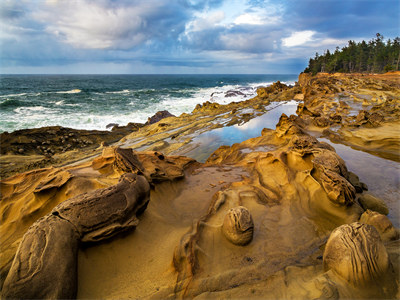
94 101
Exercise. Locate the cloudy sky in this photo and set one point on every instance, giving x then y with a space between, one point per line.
182 36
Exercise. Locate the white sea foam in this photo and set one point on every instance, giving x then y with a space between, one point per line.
74 91
119 92
13 95
21 110
58 103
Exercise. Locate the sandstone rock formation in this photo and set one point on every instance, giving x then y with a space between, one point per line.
298 190
363 109
238 226
355 253
277 216
45 265
373 203
381 223
29 196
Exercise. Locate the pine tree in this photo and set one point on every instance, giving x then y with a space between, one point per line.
374 56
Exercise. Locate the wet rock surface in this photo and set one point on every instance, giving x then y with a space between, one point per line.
365 109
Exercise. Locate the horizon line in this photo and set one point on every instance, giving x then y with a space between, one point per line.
8 74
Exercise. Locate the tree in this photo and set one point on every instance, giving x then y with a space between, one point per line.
374 56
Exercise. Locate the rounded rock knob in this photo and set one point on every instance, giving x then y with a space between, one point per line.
238 226
356 253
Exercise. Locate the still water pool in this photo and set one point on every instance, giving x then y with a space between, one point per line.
210 141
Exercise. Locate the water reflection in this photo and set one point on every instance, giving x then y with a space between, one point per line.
210 141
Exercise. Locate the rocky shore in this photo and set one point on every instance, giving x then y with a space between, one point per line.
278 216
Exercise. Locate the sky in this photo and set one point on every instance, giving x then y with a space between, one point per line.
183 36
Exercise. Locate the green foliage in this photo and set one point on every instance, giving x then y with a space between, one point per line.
374 56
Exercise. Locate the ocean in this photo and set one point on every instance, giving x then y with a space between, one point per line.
94 101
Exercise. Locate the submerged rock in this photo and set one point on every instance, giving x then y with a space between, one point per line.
234 93
355 181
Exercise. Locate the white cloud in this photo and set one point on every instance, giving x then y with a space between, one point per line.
332 42
205 21
298 38
247 18
98 24
260 17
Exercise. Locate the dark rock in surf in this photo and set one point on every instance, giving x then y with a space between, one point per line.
159 116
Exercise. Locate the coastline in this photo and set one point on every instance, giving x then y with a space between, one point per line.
265 173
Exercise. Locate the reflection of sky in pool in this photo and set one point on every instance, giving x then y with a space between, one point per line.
210 141
382 176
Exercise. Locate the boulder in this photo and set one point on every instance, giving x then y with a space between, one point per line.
367 201
355 181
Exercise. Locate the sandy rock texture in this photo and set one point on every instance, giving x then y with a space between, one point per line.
29 196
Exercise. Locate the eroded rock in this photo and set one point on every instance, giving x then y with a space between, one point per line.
274 88
45 266
101 214
382 223
152 164
355 252
238 226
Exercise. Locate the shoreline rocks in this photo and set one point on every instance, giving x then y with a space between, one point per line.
255 220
